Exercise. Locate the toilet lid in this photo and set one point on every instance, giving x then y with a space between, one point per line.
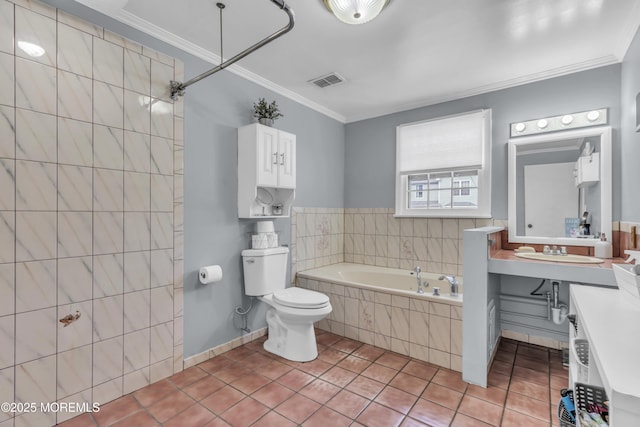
300 298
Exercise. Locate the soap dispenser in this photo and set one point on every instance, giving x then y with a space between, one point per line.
603 248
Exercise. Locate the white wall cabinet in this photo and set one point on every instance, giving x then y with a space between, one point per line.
266 171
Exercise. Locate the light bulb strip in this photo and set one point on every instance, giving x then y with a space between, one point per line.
557 123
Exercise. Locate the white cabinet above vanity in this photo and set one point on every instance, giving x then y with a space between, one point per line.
266 171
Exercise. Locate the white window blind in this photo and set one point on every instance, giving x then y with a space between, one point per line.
444 143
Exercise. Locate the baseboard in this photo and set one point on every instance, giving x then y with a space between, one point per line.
223 348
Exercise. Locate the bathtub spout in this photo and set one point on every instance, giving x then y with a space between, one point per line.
453 282
417 270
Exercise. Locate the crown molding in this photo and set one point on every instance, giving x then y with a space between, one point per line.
153 30
159 33
505 84
628 33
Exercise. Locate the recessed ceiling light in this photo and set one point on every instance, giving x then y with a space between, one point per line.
31 49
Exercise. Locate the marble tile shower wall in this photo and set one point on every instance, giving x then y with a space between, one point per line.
91 213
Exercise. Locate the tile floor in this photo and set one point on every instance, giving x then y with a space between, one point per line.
350 384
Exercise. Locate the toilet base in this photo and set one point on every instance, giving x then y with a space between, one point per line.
295 341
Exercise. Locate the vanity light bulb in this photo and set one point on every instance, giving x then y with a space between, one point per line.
543 123
520 127
566 120
592 116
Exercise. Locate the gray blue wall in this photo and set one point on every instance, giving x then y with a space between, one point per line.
370 178
630 140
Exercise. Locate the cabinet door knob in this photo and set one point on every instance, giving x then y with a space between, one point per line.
275 158
282 159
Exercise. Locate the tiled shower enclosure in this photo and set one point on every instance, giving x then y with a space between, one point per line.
90 212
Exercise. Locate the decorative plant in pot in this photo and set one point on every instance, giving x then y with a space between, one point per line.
266 113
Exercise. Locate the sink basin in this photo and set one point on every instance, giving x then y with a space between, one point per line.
575 259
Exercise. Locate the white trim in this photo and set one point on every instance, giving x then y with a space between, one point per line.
505 84
606 208
628 33
147 27
140 24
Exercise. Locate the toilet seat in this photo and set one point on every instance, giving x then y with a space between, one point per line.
300 298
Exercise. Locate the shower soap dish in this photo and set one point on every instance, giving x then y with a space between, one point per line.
627 278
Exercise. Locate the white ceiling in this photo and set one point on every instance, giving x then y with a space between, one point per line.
416 53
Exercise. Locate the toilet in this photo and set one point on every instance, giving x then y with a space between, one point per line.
292 311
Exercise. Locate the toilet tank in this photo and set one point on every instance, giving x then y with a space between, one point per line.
265 270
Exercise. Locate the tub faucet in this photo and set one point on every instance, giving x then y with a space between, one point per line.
453 282
417 270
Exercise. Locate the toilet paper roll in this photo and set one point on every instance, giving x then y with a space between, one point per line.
210 274
264 227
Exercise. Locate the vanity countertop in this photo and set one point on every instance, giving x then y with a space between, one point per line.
506 262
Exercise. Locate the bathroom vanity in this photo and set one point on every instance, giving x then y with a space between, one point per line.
608 326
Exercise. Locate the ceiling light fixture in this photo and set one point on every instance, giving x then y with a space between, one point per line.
355 11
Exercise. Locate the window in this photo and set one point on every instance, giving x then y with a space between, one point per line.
443 166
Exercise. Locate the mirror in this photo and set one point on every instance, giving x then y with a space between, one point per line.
560 187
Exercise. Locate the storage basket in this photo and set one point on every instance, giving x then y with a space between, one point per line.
580 349
563 414
585 395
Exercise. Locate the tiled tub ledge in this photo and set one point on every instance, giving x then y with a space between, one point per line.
380 306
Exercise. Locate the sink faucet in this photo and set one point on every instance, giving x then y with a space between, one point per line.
453 282
417 270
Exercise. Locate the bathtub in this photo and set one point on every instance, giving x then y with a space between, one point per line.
380 306
391 280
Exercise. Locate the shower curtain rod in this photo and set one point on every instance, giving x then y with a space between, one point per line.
177 88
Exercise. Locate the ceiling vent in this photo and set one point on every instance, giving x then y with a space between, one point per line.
328 80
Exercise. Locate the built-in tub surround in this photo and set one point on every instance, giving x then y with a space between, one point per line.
373 236
90 213
391 316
